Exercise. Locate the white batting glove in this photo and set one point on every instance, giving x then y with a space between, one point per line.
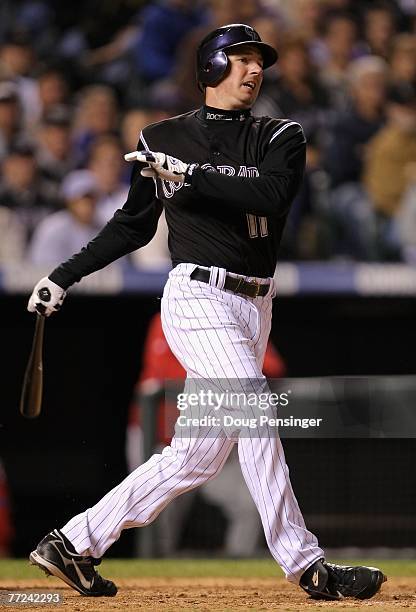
161 166
47 297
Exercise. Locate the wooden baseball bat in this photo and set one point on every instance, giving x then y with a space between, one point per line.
31 398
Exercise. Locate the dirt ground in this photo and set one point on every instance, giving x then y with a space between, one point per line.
207 594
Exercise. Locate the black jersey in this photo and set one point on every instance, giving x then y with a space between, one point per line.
231 211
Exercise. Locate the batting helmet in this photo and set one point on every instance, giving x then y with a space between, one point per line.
212 60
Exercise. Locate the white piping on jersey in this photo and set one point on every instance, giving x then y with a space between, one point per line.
144 142
282 129
146 146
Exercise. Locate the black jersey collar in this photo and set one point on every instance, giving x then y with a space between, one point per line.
209 113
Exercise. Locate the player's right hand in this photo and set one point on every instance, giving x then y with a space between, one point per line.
161 166
47 297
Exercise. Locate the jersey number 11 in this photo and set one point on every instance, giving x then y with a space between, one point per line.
257 226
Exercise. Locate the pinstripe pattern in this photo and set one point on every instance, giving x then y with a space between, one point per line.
216 335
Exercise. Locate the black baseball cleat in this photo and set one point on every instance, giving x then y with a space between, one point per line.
360 582
55 555
329 581
315 582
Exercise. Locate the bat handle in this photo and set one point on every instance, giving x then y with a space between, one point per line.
40 320
37 346
131 156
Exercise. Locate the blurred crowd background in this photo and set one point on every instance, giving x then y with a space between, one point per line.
79 81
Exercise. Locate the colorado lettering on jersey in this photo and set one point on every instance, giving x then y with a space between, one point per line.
170 188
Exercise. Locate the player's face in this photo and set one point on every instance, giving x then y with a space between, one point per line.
241 86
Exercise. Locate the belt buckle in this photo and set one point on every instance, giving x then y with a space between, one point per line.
256 288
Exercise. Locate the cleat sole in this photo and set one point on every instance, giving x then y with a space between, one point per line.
52 570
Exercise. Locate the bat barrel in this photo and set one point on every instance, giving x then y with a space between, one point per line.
31 398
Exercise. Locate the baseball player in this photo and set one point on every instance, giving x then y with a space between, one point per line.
226 180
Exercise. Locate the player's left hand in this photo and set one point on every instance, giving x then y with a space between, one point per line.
47 297
161 166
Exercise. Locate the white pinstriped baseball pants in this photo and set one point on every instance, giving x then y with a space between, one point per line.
219 335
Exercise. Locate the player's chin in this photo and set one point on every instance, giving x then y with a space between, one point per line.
248 96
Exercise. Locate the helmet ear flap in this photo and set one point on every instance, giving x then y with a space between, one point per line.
214 68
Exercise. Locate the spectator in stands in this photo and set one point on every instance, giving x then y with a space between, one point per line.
107 166
403 59
54 153
16 55
391 151
17 61
306 234
13 237
353 128
340 38
23 190
297 94
380 27
52 90
389 164
10 124
164 25
112 63
60 233
405 226
132 123
36 18
306 16
227 490
350 218
270 28
96 115
155 255
93 27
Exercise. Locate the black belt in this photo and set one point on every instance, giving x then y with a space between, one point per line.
237 285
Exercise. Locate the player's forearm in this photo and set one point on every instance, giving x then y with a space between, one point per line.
132 227
123 234
263 195
101 251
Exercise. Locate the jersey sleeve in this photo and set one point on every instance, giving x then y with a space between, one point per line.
131 227
280 175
